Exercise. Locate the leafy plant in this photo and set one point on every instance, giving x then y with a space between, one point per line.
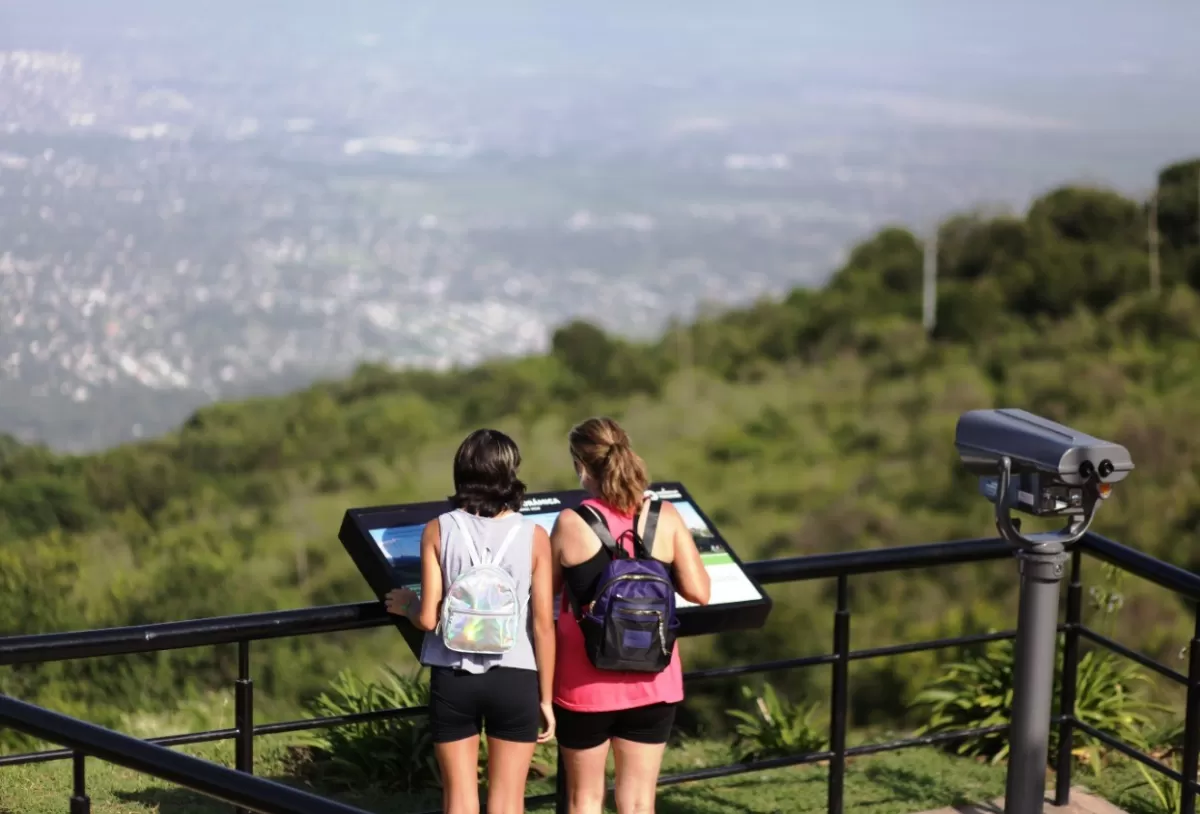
1166 738
1105 693
1164 743
977 693
774 727
394 753
1106 699
1166 791
973 694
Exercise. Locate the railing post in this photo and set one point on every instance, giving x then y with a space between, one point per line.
244 714
840 695
1070 678
1191 731
80 804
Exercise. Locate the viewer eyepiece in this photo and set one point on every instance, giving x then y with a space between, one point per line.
1029 464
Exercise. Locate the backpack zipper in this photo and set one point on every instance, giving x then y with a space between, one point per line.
639 577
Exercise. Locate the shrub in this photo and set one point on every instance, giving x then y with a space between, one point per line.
1165 744
394 753
775 727
977 692
1106 699
1167 792
973 694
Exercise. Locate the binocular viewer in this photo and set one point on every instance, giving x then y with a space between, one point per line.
1039 467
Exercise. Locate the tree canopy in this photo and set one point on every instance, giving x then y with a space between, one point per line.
819 421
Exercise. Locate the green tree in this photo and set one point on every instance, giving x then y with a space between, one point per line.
1179 205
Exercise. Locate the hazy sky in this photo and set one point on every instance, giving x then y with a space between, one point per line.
1066 31
1123 67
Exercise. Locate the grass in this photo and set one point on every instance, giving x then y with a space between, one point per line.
898 783
906 782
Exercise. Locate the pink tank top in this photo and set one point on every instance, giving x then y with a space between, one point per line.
579 686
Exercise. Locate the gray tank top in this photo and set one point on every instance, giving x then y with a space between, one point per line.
488 533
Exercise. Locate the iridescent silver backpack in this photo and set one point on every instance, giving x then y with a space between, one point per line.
482 610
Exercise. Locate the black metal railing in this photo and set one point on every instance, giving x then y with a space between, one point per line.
242 630
207 778
1168 576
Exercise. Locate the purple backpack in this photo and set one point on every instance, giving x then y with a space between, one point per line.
630 626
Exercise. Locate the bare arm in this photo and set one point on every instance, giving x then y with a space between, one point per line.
691 577
431 577
542 601
556 545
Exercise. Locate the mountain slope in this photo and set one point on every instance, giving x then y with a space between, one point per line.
821 422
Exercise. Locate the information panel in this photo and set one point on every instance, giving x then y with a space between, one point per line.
385 543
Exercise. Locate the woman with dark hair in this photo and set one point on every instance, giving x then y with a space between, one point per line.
634 711
485 668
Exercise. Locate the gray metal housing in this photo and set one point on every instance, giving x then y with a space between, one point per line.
1035 444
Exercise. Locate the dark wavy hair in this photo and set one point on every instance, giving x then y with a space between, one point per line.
485 474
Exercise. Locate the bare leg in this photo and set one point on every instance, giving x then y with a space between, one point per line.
508 771
637 767
585 778
459 762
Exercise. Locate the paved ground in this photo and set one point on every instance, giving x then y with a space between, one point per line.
1081 803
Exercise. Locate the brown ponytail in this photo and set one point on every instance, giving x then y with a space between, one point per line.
605 452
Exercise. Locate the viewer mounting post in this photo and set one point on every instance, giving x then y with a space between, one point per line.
1033 683
1047 470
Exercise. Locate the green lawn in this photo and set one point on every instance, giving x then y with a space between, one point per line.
898 783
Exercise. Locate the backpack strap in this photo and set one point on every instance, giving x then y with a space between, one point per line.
643 544
473 552
469 542
646 540
596 521
508 538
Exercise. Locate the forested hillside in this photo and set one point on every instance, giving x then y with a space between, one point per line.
820 422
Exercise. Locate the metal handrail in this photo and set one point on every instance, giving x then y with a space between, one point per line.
210 779
243 629
41 648
1141 564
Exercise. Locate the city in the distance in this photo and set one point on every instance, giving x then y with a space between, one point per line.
204 201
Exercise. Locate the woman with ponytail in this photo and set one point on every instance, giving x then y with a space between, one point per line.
634 711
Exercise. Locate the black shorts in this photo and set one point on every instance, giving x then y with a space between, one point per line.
504 701
584 730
